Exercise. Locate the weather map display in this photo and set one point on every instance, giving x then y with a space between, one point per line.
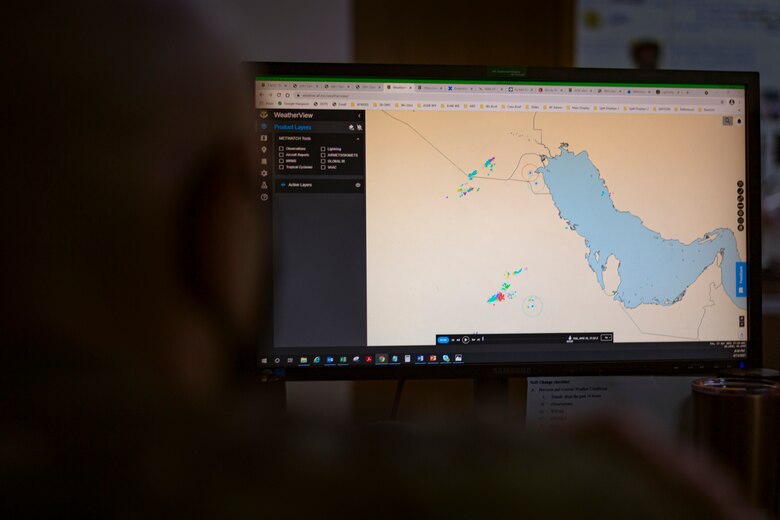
505 221
608 244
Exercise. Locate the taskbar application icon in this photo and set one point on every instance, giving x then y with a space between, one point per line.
378 359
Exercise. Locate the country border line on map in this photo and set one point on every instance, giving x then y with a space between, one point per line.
461 170
541 136
704 308
510 178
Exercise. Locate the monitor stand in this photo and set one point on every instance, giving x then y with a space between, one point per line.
491 398
272 396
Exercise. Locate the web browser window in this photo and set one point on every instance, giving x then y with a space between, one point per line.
504 221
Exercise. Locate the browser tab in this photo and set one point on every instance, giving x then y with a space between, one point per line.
369 87
425 87
640 91
399 87
306 85
493 89
340 86
461 88
580 90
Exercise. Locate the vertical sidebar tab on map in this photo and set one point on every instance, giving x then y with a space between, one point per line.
741 279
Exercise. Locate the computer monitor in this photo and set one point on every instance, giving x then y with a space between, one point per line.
439 221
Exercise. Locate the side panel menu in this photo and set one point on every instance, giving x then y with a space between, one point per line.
313 171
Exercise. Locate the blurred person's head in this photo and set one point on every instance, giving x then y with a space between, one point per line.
128 228
646 54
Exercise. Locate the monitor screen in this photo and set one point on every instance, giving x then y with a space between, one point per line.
457 221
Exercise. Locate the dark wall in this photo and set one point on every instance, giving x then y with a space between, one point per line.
461 32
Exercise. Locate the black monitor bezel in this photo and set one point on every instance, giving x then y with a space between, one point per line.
750 81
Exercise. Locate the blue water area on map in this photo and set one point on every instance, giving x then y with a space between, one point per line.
652 269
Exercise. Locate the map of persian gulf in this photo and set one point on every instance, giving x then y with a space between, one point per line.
500 222
652 269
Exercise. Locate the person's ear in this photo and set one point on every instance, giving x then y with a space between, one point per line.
222 256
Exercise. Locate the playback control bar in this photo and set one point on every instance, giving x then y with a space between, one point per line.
497 339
